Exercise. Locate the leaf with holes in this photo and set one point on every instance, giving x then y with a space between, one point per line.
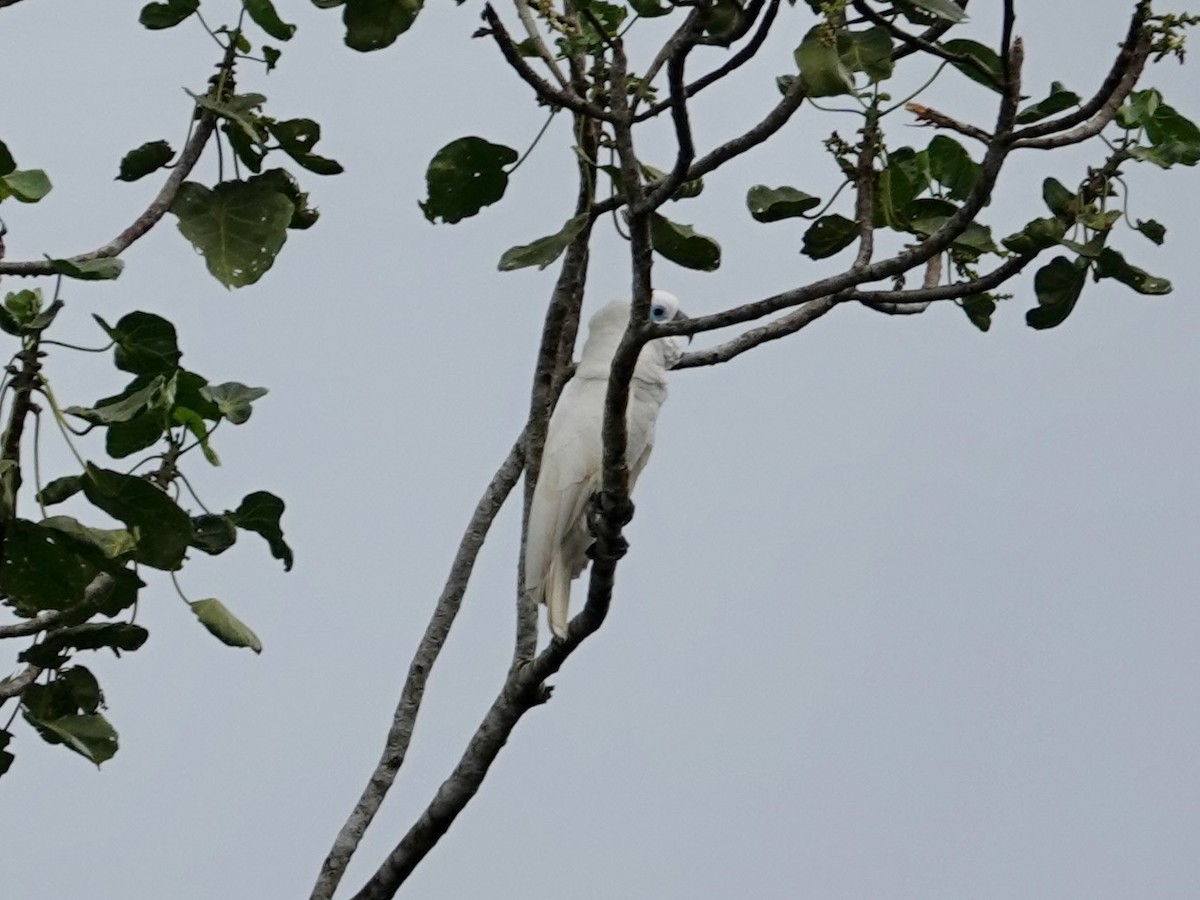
239 227
828 235
465 176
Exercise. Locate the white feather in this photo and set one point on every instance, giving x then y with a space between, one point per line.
558 538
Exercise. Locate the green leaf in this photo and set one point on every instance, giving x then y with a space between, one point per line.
1111 264
149 157
1039 234
160 528
91 736
270 56
1059 99
544 250
989 71
22 312
126 438
303 215
168 14
938 9
81 685
260 512
685 191
773 204
1058 285
265 17
821 68
194 422
213 534
233 399
649 9
375 24
113 543
1175 138
225 626
1155 231
465 176
135 399
54 650
296 138
60 489
829 235
27 185
6 758
1062 202
979 309
952 166
105 269
905 176
7 164
683 246
239 226
41 569
869 52
610 16
146 343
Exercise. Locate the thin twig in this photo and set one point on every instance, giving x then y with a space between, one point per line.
747 52
547 92
539 45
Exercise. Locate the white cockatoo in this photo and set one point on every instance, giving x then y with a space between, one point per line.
558 539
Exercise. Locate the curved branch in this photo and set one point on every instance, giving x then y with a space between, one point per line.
748 340
1132 56
158 207
400 733
743 56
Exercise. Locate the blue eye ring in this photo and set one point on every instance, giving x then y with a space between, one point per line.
658 312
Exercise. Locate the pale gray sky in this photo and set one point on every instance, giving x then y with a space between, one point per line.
910 612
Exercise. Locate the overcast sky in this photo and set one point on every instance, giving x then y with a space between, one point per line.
911 611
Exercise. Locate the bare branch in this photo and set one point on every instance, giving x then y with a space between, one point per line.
864 200
927 116
188 158
686 148
15 685
93 595
535 39
931 293
400 733
748 340
564 97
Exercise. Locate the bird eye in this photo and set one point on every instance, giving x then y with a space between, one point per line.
658 312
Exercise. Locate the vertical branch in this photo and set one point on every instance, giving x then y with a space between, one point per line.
24 380
554 358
